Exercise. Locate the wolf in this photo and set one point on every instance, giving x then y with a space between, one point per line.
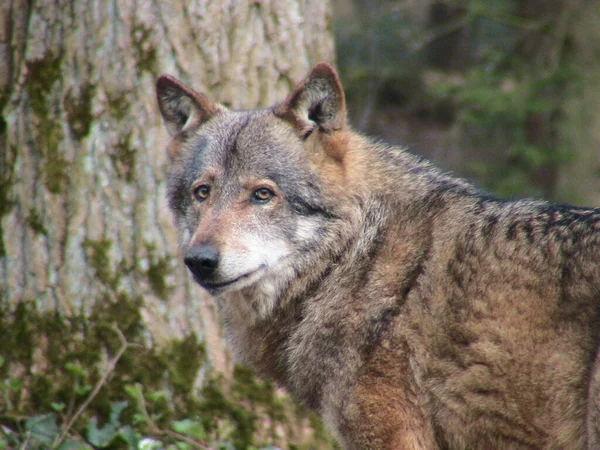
405 306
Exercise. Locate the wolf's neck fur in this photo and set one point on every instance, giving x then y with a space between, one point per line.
319 276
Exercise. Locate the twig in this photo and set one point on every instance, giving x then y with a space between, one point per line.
101 382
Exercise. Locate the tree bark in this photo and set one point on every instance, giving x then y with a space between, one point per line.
84 221
579 181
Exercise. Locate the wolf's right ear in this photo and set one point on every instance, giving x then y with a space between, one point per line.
317 103
182 106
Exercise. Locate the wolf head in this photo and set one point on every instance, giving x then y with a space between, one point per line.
251 190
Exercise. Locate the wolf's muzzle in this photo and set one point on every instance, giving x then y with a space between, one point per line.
202 260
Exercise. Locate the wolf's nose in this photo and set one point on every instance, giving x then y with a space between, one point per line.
202 260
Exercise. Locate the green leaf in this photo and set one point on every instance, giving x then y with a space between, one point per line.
74 444
226 446
7 433
131 437
58 407
179 446
76 369
83 390
101 437
92 431
149 444
42 429
153 396
135 391
115 411
139 418
190 428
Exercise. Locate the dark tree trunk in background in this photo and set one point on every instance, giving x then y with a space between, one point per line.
580 179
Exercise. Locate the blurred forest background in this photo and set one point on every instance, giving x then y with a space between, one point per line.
104 342
504 92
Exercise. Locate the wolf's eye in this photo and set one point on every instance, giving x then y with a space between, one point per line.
201 192
262 195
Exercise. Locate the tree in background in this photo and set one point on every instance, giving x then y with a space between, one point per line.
504 91
96 307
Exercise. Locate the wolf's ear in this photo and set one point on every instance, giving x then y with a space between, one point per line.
317 103
182 106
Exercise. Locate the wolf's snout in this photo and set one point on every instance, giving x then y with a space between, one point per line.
202 260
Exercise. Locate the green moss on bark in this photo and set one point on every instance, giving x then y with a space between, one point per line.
97 252
43 75
78 106
35 221
123 159
118 105
145 52
159 268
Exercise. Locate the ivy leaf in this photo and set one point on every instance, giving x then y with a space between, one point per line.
100 437
73 444
115 411
132 437
42 429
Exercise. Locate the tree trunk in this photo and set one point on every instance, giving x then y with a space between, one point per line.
580 180
86 239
